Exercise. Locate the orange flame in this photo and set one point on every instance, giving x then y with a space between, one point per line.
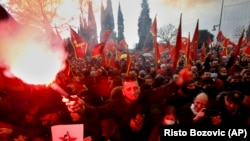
28 55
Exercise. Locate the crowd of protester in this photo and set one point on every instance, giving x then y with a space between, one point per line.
114 105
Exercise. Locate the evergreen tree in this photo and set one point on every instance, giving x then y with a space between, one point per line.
83 28
203 38
109 19
103 29
92 31
120 25
144 25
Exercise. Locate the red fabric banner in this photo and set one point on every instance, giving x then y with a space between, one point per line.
80 46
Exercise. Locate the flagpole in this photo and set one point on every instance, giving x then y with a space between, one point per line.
222 5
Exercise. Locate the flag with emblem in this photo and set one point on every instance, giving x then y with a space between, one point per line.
70 132
79 44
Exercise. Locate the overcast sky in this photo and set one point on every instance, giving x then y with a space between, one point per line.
235 13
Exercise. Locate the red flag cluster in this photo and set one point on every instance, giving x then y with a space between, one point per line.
98 49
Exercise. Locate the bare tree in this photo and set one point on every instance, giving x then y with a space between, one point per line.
167 33
39 13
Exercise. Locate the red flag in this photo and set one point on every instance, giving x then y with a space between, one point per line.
178 45
97 50
245 41
247 51
195 39
79 45
111 46
220 36
224 51
123 45
105 61
161 48
203 52
184 42
157 53
232 43
153 29
106 35
112 63
237 51
117 54
224 47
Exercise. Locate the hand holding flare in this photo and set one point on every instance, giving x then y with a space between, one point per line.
73 102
